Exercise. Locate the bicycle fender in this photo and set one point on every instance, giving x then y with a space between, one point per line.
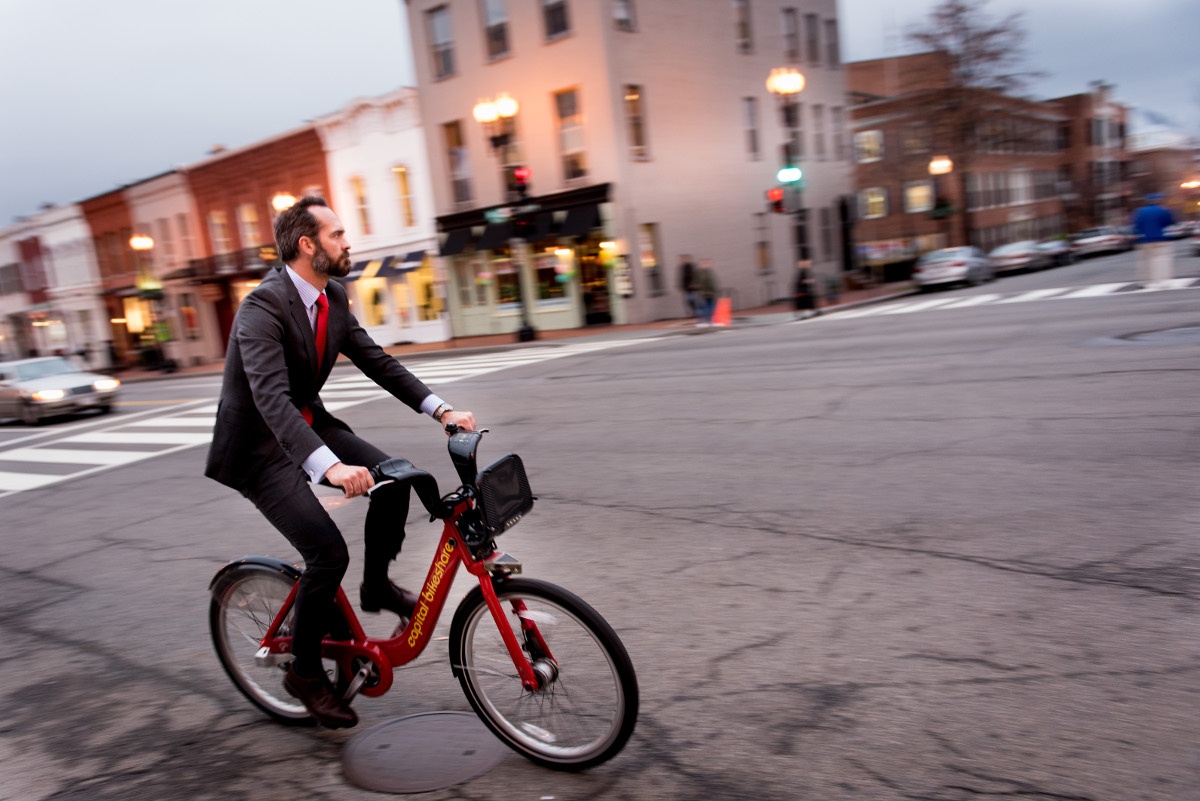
271 563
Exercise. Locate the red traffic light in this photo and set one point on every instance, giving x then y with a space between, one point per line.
522 174
775 198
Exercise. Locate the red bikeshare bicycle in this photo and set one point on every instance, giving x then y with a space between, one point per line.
542 669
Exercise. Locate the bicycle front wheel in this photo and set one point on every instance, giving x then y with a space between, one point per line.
585 710
243 608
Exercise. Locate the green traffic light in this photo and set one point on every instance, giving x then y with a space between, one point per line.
788 175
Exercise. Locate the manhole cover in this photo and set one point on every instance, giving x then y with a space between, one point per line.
420 753
1170 336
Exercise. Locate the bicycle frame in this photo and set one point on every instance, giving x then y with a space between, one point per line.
408 643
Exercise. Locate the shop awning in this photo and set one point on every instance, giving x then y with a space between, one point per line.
495 235
580 220
413 260
456 241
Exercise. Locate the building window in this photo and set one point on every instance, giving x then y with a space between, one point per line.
248 230
624 18
456 156
359 190
833 51
185 236
837 118
441 41
570 134
635 119
917 138
750 118
826 233
554 16
872 203
165 244
868 146
812 38
741 26
918 196
408 217
495 27
547 267
218 232
791 34
793 149
189 317
650 256
818 121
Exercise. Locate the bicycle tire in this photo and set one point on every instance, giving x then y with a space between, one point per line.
581 718
243 606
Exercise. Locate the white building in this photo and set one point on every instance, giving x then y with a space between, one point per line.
649 132
380 185
51 255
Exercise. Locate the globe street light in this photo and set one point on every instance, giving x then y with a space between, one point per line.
150 291
942 207
786 83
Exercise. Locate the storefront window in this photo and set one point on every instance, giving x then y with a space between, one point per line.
372 293
189 317
553 274
429 302
401 295
508 281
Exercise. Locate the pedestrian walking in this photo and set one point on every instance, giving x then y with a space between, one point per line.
804 297
687 284
1156 253
706 283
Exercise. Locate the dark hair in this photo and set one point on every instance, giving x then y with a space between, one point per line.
295 222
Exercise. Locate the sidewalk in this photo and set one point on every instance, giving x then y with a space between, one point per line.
760 315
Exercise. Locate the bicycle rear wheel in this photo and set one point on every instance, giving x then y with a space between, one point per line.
242 609
587 707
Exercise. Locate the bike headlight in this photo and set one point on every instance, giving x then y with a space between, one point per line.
106 384
49 395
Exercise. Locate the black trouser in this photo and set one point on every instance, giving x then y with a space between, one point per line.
284 495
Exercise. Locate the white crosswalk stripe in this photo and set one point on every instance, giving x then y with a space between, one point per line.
123 442
996 299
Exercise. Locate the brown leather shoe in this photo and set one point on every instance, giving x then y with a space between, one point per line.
319 699
392 598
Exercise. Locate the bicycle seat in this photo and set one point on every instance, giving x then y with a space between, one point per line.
402 471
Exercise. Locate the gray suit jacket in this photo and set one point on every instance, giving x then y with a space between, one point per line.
271 373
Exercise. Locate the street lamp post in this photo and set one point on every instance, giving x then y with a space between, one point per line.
942 207
786 83
150 290
496 116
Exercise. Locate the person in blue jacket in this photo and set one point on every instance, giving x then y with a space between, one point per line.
1155 252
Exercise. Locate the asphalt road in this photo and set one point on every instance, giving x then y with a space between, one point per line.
944 554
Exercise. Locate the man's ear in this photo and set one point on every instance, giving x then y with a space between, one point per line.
307 246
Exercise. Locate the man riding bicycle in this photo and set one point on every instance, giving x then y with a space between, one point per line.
273 437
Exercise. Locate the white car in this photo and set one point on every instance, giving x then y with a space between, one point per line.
1105 239
948 266
32 389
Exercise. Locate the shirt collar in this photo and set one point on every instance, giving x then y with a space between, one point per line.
308 292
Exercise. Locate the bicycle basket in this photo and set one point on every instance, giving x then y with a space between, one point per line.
504 494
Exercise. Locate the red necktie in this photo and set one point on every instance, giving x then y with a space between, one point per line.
322 331
322 326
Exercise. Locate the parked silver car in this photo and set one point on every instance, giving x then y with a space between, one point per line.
33 389
1017 257
1105 239
961 265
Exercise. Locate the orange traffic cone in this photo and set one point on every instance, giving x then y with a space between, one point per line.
723 314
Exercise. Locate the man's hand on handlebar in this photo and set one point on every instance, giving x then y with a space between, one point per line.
464 421
353 480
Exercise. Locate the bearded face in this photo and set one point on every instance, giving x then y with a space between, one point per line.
324 264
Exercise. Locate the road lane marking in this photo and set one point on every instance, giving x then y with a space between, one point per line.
65 456
140 438
17 482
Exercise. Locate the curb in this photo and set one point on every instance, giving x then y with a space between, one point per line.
744 321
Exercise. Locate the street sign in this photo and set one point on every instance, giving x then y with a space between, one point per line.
498 215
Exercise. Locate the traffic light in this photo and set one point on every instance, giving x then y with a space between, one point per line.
521 176
789 175
775 199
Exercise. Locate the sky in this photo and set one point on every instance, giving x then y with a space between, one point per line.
102 93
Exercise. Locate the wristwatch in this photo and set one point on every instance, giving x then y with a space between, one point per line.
441 410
